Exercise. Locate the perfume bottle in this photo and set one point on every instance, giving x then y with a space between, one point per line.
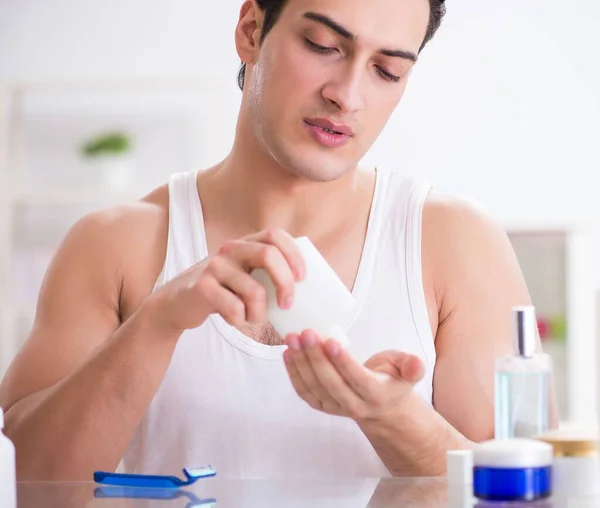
523 382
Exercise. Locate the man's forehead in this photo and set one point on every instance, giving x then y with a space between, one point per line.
377 23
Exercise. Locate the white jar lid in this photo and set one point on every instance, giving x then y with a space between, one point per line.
512 453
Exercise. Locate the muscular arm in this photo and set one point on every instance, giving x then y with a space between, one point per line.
479 282
470 268
77 390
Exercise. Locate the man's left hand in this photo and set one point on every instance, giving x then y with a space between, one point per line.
329 379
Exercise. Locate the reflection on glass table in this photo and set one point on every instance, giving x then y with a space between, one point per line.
281 493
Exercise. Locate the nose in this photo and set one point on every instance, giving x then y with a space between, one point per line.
345 90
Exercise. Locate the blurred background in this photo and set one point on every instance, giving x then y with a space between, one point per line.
101 101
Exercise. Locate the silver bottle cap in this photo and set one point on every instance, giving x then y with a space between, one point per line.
524 330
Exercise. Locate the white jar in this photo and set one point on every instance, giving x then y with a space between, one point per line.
576 465
8 479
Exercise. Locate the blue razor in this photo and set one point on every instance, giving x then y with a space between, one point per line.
154 481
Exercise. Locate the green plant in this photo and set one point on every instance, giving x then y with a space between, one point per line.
112 143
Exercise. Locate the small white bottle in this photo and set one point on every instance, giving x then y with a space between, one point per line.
321 301
8 476
522 385
459 478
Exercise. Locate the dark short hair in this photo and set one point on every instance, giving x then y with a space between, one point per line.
273 8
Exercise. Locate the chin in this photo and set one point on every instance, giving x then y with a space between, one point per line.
308 162
318 168
319 172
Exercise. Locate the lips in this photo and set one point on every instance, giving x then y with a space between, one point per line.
328 134
329 126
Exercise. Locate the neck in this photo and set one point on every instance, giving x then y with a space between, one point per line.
258 193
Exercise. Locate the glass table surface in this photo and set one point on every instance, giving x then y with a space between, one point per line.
263 493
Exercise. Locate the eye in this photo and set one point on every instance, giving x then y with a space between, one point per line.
317 48
386 75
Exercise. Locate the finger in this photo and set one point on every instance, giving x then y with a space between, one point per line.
288 247
251 292
295 377
222 300
362 380
407 367
410 367
329 378
307 373
250 255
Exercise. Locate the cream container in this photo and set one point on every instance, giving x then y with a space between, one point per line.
576 468
515 469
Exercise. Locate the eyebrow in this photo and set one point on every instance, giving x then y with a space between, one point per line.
346 34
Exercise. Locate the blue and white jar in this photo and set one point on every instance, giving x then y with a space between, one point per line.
516 469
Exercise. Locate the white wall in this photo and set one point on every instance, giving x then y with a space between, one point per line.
504 106
66 38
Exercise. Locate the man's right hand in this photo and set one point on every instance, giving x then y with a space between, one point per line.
222 283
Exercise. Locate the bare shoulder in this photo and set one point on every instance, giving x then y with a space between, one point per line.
110 251
467 259
463 242
118 222
115 235
126 243
446 216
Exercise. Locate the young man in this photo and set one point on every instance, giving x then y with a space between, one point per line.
150 348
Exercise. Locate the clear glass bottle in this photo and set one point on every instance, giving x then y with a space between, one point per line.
523 382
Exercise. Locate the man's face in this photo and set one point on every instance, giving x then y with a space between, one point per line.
331 65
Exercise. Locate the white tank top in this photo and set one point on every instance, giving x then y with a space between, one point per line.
226 400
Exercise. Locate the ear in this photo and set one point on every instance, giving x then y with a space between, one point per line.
248 30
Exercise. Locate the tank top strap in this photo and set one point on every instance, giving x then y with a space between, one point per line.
186 225
414 268
418 192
